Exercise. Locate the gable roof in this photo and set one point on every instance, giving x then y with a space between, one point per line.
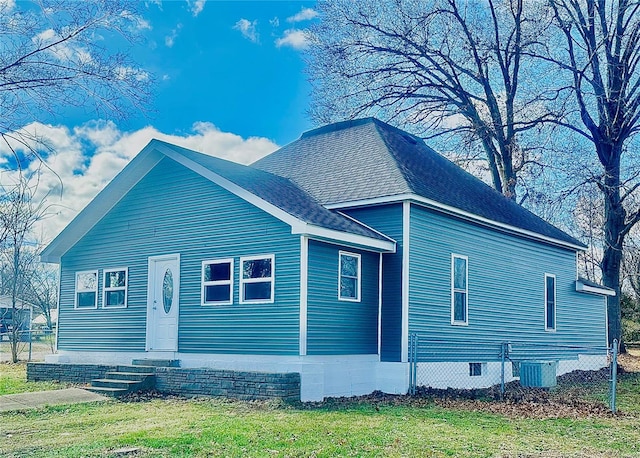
366 161
273 194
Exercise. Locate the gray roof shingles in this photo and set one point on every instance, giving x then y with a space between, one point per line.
279 192
368 159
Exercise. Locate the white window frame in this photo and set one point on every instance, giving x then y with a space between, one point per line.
358 278
106 289
229 282
244 281
76 290
455 290
555 303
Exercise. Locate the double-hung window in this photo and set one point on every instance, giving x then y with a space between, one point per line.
349 277
549 302
115 288
257 279
459 290
86 296
217 282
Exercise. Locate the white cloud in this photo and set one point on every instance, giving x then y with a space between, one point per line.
275 22
169 40
305 14
248 29
196 7
295 38
87 157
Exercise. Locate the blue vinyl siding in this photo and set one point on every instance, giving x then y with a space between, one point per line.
337 327
174 210
388 220
506 283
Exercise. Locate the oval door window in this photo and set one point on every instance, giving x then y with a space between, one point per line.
167 291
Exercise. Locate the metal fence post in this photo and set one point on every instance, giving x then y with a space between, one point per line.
614 373
412 363
502 361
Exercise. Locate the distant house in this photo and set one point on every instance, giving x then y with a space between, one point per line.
10 318
321 258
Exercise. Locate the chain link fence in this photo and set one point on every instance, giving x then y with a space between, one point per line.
500 370
30 344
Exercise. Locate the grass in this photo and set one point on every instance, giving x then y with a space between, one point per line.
214 427
13 380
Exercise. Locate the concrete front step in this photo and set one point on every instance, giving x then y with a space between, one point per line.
107 391
141 369
129 385
156 362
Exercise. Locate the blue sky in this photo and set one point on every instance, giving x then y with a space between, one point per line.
225 62
230 82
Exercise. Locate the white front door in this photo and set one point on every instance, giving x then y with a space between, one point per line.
163 303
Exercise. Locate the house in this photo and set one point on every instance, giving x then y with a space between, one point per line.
322 258
17 319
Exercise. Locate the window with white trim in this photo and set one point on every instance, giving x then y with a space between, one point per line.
257 279
349 278
86 294
549 302
114 288
217 282
459 289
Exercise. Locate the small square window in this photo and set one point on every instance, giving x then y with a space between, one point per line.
217 282
475 369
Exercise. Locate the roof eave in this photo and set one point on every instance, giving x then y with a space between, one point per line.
349 239
458 213
100 205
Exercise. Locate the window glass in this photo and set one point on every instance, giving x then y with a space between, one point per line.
217 282
459 291
256 268
86 289
349 277
115 288
257 279
550 298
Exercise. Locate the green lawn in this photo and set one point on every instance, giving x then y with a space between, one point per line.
213 427
13 380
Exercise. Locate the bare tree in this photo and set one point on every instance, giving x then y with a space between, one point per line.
54 54
18 214
439 67
600 54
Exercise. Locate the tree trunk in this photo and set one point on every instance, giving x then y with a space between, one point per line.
614 225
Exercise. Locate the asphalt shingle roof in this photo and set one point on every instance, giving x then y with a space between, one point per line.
278 191
368 159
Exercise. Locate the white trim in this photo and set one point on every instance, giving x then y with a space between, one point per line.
204 284
555 303
604 291
105 290
76 291
455 256
366 225
406 234
304 278
380 306
58 305
243 281
356 241
358 297
457 212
